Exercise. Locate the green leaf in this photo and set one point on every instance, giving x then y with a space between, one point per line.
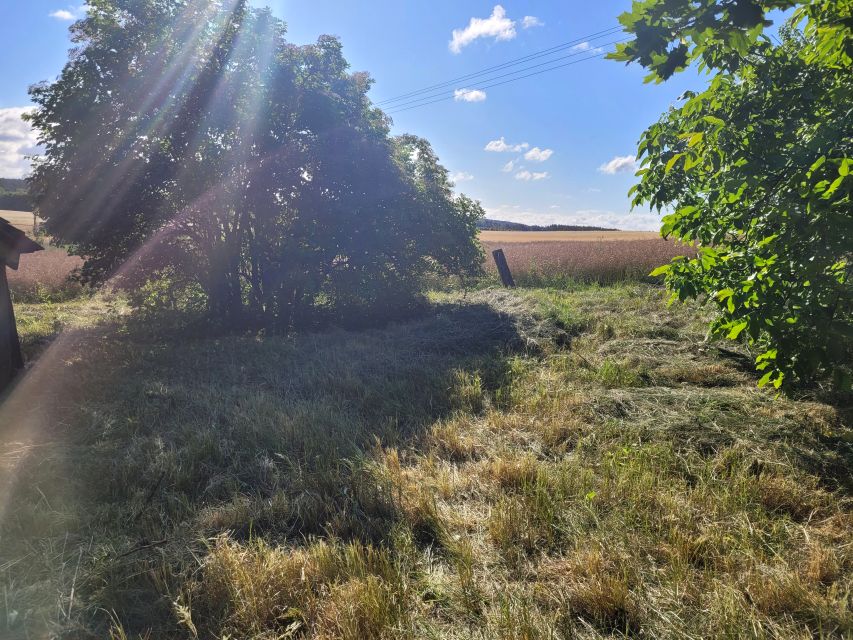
668 223
833 187
672 162
739 42
691 162
770 354
722 294
717 122
737 329
765 379
662 270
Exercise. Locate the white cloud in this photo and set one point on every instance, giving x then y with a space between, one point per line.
538 155
496 26
469 95
619 164
633 221
628 221
509 166
531 21
461 176
61 14
17 140
527 176
586 46
69 14
501 145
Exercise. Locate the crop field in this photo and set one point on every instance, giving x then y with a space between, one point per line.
44 274
21 219
548 263
41 275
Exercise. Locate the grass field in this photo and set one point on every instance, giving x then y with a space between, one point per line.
500 237
517 465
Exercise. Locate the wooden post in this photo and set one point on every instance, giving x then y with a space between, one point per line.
503 268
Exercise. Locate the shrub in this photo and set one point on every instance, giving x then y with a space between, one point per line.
272 196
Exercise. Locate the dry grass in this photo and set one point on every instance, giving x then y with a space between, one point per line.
539 464
560 264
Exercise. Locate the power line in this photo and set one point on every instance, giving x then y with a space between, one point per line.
505 75
510 63
497 84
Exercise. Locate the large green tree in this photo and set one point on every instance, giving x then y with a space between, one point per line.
757 171
189 136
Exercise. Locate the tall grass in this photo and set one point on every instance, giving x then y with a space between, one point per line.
45 275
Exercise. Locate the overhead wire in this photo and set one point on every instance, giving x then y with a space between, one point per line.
496 84
510 63
427 98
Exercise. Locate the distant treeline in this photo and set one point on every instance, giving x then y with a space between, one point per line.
502 225
13 195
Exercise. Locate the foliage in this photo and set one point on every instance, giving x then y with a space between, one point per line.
189 135
758 171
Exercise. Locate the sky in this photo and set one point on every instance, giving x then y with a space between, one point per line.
557 147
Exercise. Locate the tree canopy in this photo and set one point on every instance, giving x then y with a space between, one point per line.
757 171
190 137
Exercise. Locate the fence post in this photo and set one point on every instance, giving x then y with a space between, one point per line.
503 268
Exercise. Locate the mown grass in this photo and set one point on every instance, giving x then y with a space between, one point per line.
535 464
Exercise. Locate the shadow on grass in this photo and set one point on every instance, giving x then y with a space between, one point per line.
127 448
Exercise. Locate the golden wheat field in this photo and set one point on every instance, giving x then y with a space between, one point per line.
558 263
21 219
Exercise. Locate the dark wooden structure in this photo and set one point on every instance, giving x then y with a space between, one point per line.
503 268
13 242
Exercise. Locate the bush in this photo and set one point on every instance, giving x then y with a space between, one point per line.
270 196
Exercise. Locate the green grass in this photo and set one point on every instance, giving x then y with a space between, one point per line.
514 465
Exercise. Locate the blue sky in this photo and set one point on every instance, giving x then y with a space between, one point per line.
568 133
